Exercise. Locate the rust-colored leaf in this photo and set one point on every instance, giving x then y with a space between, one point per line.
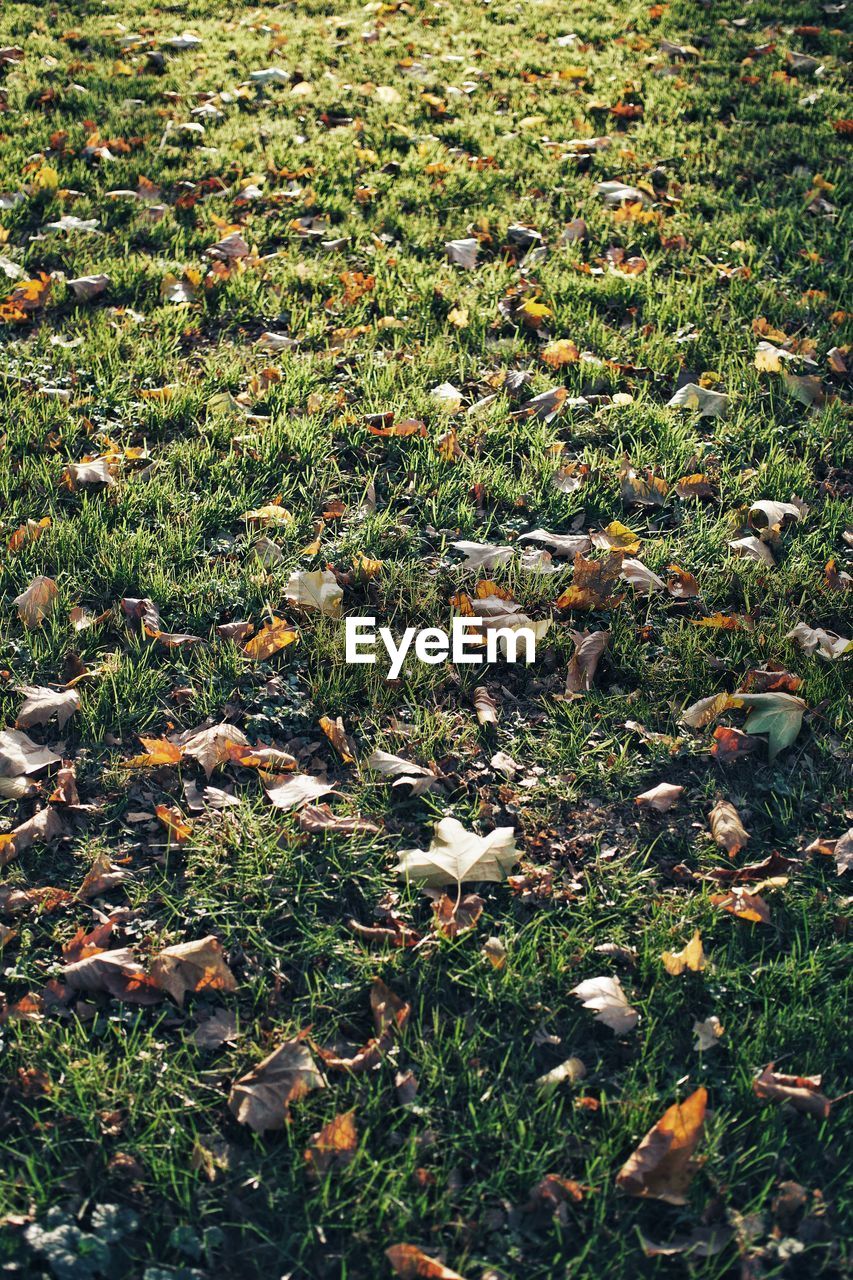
663 1167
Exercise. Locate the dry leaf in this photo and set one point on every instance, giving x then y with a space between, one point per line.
639 491
263 1096
192 966
660 798
589 646
456 855
316 818
292 793
274 635
317 589
37 602
177 826
691 957
337 735
210 747
20 756
485 706
592 584
409 1263
800 1092
727 828
42 828
708 1034
662 1167
616 536
334 1145
605 997
220 1028
42 704
746 906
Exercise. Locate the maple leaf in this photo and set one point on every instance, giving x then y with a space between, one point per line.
317 589
800 1092
192 966
275 635
456 855
292 793
607 1000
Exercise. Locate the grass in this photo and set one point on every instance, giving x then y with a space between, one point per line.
732 141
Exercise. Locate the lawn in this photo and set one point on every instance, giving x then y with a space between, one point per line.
294 299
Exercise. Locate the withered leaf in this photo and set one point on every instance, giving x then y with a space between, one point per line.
727 828
42 704
263 1096
605 997
663 1167
456 855
410 1263
37 602
42 828
691 956
192 967
800 1092
660 798
335 1144
592 584
589 647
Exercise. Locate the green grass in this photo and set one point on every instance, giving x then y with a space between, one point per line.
733 148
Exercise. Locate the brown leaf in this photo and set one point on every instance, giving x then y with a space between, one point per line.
263 1096
695 486
116 973
640 491
315 818
485 706
681 584
42 828
732 744
158 751
746 906
662 1167
409 1263
340 740
334 1145
220 1028
30 531
592 584
800 1092
211 746
453 916
840 849
37 602
589 646
727 828
192 966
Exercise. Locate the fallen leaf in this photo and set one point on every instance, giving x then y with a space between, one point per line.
589 647
591 584
826 644
273 636
410 1263
663 1167
609 1003
192 967
337 735
485 706
708 1034
744 905
334 1145
800 1092
638 491
700 400
726 827
44 827
616 536
178 828
316 589
42 704
691 957
217 1029
660 798
292 793
263 1096
315 819
456 855
20 756
703 1242
37 602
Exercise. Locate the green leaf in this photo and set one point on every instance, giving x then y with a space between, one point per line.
779 715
